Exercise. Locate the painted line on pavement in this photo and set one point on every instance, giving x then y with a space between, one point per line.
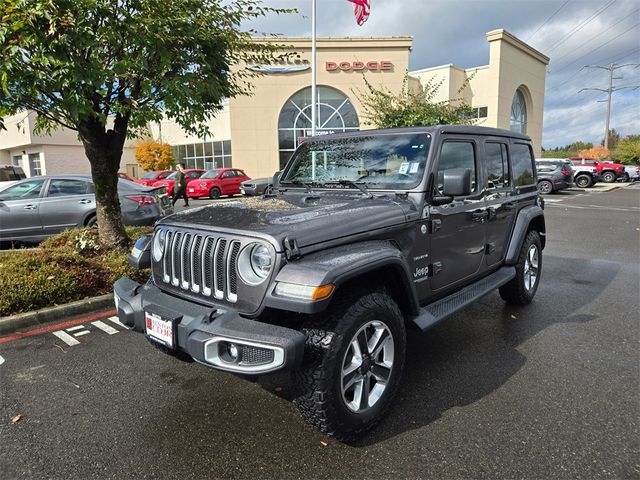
1 360
77 327
66 338
83 332
597 207
58 326
117 321
104 327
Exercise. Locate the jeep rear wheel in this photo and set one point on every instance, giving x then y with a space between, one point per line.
583 181
353 365
608 177
522 289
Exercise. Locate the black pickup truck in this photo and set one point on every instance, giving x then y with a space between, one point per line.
366 237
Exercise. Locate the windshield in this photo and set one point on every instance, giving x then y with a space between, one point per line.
150 175
387 161
172 176
211 174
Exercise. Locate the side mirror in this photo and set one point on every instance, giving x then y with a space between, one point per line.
457 182
140 256
276 179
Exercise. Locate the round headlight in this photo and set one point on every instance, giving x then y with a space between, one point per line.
158 245
254 263
261 261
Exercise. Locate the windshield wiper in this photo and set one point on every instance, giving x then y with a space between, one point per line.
359 185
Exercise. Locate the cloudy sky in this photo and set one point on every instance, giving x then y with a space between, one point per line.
572 33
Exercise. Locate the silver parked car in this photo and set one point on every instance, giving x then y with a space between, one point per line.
36 208
256 186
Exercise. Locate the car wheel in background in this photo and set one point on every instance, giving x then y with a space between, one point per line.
92 222
583 181
214 193
625 177
545 186
608 177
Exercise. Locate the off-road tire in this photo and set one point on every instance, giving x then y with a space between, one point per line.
583 181
608 177
214 193
514 291
319 398
545 187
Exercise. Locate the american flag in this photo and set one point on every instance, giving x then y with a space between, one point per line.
361 9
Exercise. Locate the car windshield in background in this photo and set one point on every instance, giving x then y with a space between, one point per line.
150 175
379 161
210 174
172 176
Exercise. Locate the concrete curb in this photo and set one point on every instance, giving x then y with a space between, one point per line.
29 319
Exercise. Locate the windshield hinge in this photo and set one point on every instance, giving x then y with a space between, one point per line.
291 248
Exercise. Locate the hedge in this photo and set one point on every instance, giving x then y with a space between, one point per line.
67 267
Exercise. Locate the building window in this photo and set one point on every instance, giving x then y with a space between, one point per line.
34 164
479 112
16 160
204 154
518 113
335 114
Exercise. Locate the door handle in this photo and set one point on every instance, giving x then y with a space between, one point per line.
30 207
84 201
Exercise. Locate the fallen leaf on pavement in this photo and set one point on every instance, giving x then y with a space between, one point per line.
323 443
514 317
16 418
51 277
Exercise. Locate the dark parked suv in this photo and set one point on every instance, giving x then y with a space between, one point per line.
366 237
553 175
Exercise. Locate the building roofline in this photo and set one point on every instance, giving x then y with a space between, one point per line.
336 38
502 34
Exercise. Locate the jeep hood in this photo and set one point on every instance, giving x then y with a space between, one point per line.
307 218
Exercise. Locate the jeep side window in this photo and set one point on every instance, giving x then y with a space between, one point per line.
522 164
497 165
456 154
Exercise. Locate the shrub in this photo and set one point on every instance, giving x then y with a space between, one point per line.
67 267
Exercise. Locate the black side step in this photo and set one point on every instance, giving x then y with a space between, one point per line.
443 308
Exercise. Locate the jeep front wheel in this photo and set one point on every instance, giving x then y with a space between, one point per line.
522 289
608 177
583 181
353 365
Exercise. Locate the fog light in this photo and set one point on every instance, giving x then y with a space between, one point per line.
233 351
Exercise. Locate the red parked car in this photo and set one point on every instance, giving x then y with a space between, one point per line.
609 172
150 178
189 174
217 182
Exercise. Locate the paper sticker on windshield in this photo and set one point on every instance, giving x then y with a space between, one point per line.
404 167
414 167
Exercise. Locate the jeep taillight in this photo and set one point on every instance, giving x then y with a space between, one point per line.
566 172
142 200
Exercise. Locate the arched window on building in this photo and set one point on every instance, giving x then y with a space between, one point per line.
518 121
336 114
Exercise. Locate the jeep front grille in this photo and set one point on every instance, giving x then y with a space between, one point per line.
202 264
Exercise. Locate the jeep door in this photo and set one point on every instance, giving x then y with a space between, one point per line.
458 228
19 214
501 207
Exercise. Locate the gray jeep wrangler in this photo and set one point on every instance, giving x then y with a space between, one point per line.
365 237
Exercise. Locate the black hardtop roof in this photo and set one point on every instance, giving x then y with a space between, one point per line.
457 129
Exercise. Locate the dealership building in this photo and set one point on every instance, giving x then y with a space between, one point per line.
258 133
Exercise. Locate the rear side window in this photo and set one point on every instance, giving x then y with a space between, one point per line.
497 161
456 155
522 164
63 188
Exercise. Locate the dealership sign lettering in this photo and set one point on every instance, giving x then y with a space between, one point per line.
381 66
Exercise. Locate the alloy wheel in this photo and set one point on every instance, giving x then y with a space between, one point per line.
531 268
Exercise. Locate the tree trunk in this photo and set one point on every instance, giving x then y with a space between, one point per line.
104 151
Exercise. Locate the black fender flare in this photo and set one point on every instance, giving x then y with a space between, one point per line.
527 215
337 266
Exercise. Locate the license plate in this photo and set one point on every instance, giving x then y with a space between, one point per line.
191 190
159 329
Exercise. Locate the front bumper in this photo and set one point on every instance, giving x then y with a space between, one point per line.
201 331
197 191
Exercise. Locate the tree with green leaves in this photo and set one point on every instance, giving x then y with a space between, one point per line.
411 106
106 68
628 150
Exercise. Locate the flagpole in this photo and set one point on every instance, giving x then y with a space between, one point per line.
313 69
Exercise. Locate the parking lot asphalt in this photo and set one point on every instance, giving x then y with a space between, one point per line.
545 391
